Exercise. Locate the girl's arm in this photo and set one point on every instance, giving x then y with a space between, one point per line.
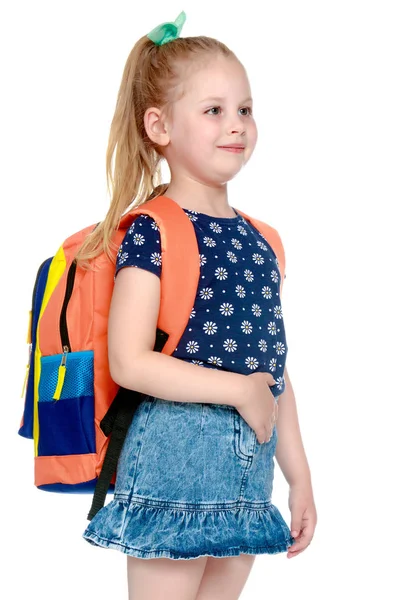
132 324
290 453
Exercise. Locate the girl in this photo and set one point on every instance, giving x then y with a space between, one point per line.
194 479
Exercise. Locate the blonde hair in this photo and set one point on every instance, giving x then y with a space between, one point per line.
151 76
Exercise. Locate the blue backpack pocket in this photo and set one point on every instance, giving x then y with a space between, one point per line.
66 425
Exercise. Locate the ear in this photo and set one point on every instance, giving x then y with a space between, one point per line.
156 127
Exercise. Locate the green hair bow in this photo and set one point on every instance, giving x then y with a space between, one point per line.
167 31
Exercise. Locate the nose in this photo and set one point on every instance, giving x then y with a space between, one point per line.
239 130
237 127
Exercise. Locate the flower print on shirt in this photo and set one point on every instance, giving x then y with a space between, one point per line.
236 323
134 249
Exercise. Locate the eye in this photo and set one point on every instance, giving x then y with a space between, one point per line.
212 109
243 108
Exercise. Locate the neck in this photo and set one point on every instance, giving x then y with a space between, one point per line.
215 205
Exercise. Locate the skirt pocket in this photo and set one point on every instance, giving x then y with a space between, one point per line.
245 438
66 425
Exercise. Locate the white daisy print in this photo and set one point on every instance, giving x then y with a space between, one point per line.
280 348
251 362
215 360
231 256
192 347
248 275
272 365
203 260
272 327
241 230
138 239
156 259
262 344
122 256
206 293
209 242
221 273
226 309
274 276
278 312
215 227
210 328
262 246
237 245
266 292
246 327
241 292
192 216
256 310
230 345
258 258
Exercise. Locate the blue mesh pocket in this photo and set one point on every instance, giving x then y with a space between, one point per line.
66 426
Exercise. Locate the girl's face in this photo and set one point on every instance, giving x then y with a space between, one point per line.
200 123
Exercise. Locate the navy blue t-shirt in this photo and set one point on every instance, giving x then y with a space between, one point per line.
236 323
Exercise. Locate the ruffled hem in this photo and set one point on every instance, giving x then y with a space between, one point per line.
148 528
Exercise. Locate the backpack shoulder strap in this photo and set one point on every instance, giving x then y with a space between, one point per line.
273 238
180 271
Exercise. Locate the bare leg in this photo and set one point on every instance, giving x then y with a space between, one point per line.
224 578
164 578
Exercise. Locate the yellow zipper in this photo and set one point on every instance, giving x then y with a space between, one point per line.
62 369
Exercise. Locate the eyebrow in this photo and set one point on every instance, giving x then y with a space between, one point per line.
220 99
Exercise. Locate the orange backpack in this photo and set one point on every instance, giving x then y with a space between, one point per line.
75 413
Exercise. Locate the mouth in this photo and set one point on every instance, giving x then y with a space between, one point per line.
236 149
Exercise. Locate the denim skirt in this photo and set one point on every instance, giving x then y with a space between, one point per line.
192 480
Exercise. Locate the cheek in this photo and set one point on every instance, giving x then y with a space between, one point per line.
207 125
203 136
193 132
253 134
197 136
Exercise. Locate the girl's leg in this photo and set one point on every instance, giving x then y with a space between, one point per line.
164 578
224 578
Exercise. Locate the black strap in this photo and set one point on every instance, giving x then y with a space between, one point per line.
116 423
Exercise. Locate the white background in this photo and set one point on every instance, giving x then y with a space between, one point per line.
325 173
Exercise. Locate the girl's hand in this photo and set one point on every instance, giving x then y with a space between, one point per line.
258 407
304 518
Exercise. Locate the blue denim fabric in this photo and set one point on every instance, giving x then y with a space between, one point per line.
192 480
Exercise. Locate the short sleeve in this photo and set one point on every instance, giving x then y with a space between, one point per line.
141 246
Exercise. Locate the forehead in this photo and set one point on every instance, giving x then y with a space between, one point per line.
218 78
